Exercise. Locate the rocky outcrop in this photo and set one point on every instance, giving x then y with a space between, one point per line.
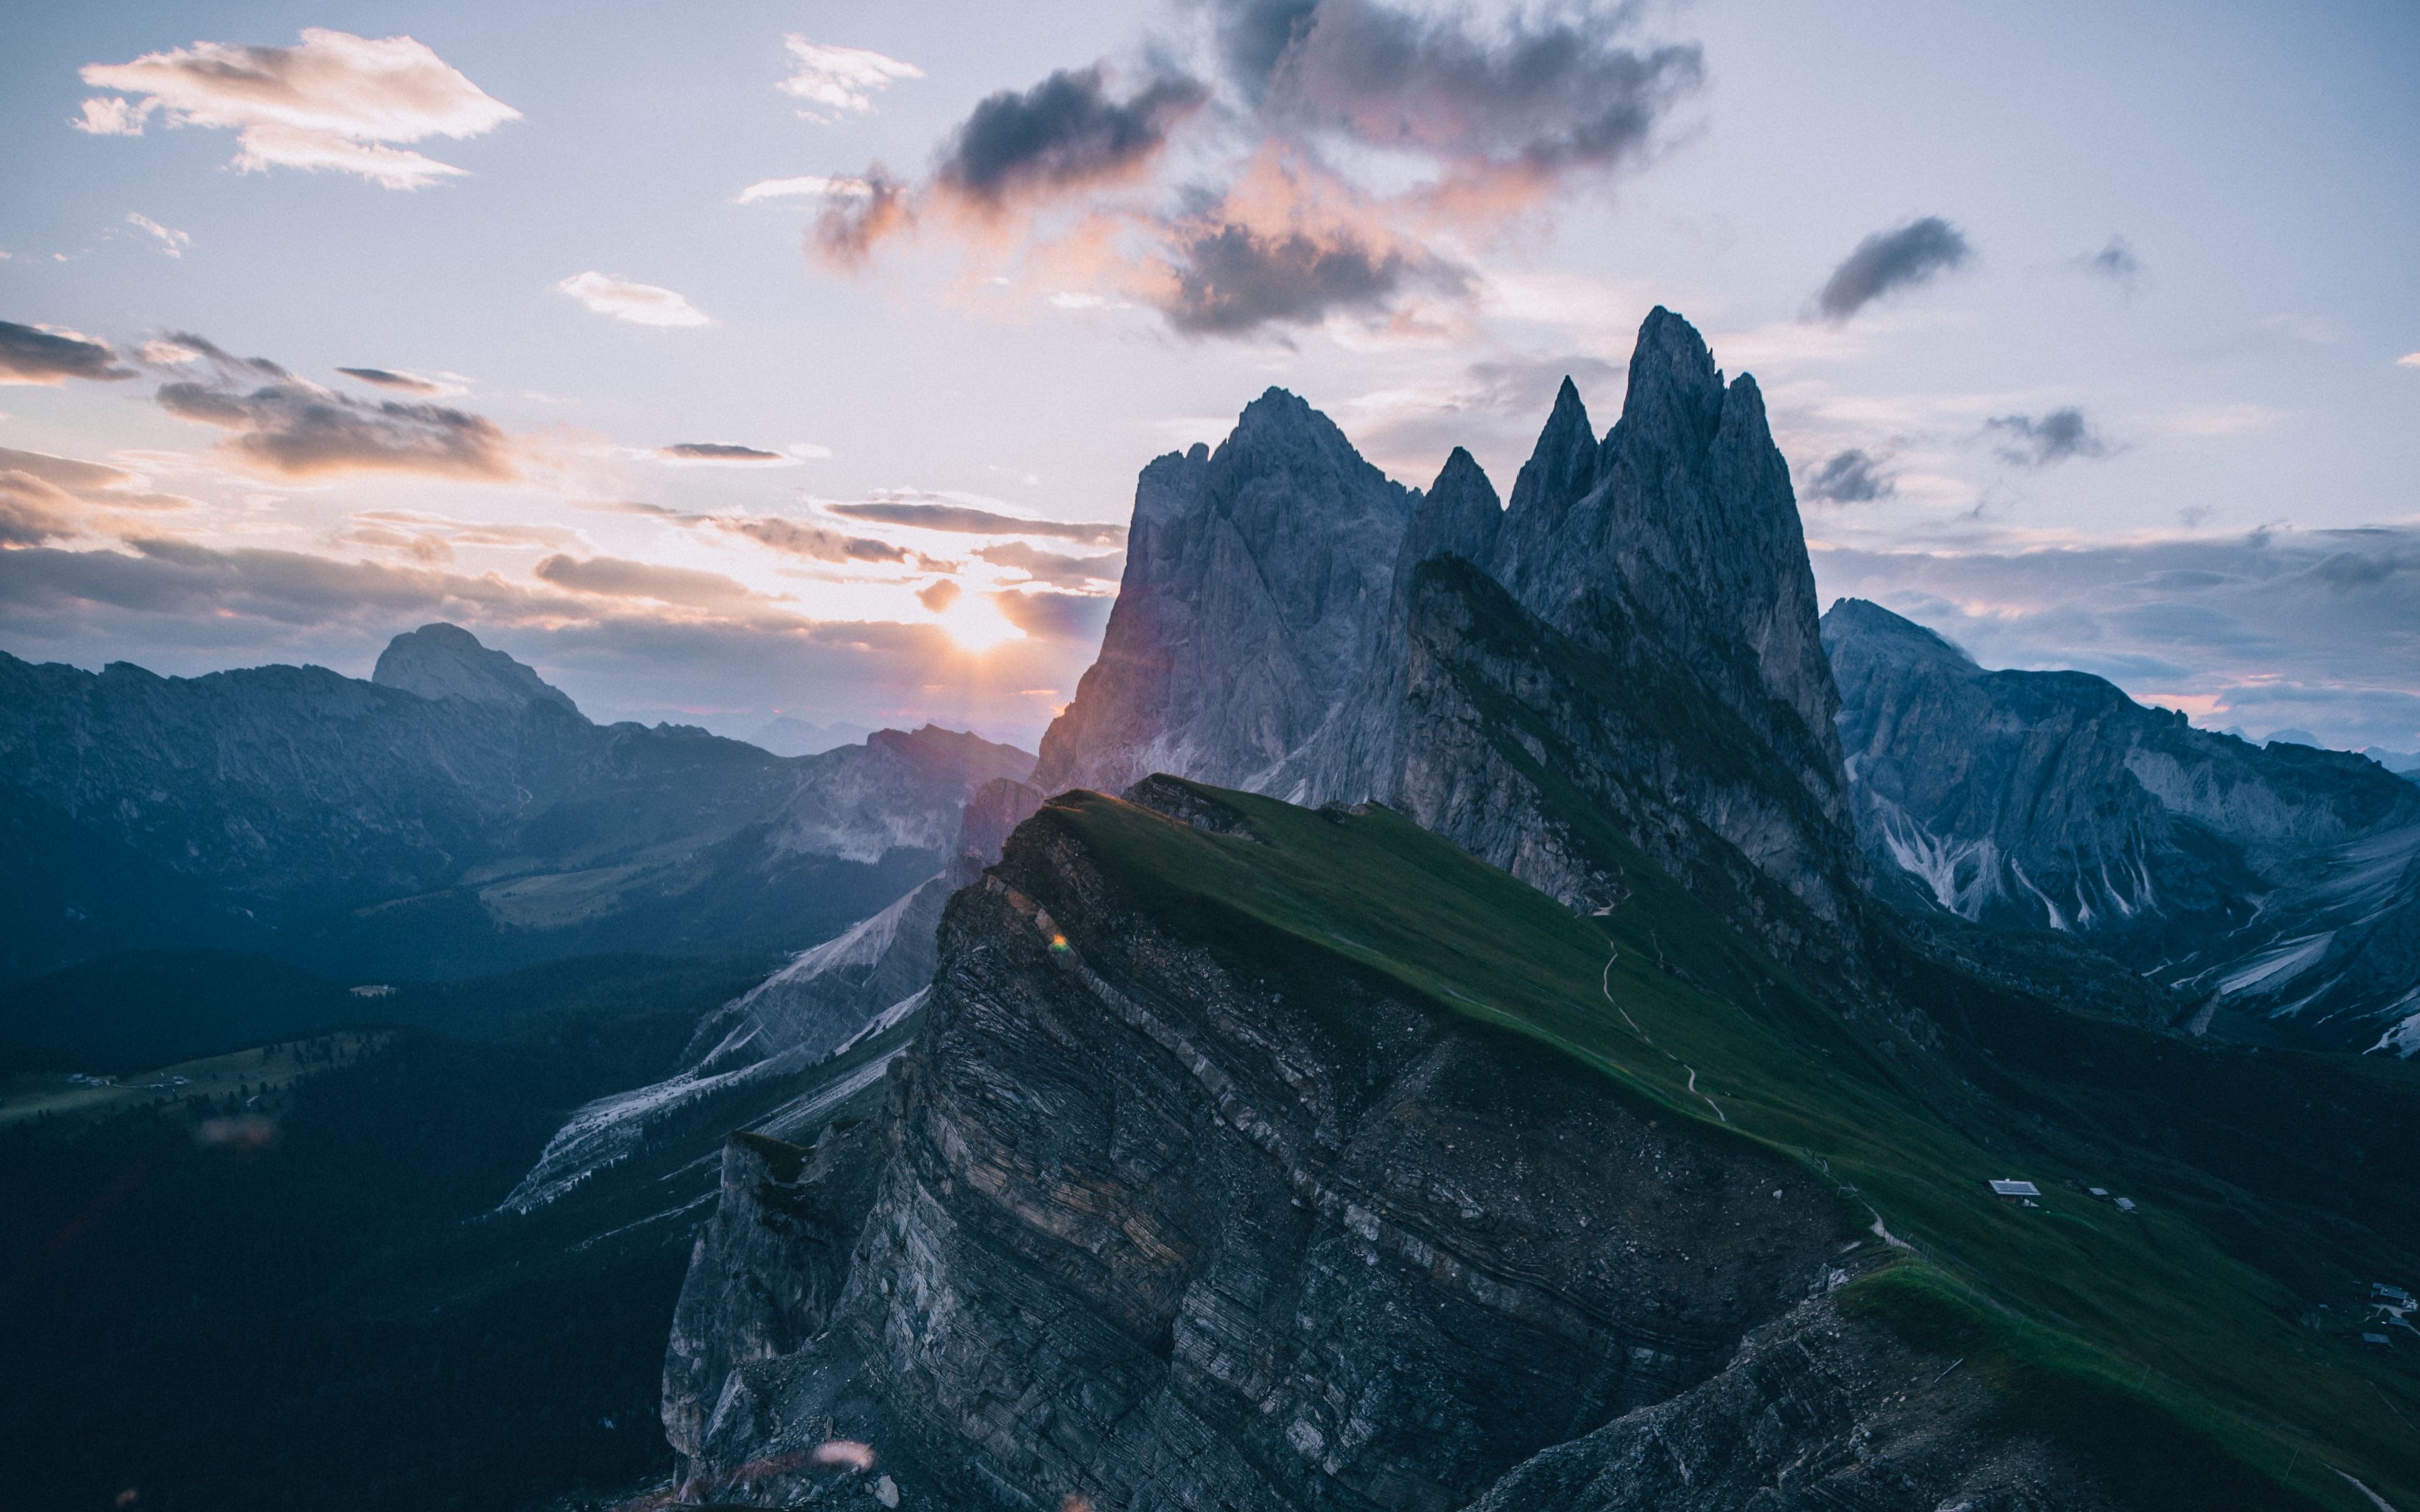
1815 1411
1255 586
2278 883
445 661
1158 1224
1625 656
453 814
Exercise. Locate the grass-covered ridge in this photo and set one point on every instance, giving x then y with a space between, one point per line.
2093 1319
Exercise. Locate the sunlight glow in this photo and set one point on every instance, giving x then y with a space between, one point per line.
976 623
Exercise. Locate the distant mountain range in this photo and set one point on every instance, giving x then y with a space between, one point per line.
453 814
2273 889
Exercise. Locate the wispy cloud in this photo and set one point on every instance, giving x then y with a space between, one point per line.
839 80
2408 360
642 304
289 426
30 354
335 100
388 378
614 578
173 243
2114 262
811 187
720 451
967 520
1913 253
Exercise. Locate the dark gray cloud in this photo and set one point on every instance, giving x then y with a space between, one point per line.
2054 438
1538 95
965 520
614 578
31 355
798 539
1050 567
1048 616
1850 477
1232 280
2314 629
1891 259
720 451
1065 133
387 378
2116 262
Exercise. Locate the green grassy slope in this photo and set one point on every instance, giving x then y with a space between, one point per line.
2156 1339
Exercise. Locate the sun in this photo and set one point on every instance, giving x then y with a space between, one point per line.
976 623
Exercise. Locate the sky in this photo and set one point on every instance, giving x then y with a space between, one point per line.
798 360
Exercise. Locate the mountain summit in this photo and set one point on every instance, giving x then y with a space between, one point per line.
443 661
1636 634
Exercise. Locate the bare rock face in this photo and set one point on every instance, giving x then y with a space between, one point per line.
1155 1234
2279 881
1257 577
441 661
1627 654
1154 1228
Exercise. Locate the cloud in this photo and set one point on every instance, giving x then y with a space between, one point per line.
1065 133
29 354
293 428
61 495
387 378
1850 477
815 186
838 81
966 520
1231 279
613 578
718 452
1537 98
2318 629
1050 567
1359 155
172 242
2114 262
1888 260
642 304
2054 438
851 225
2408 360
813 542
938 595
1049 616
335 100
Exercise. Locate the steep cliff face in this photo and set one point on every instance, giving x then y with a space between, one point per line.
1256 581
1630 651
2280 883
1162 1232
1170 1207
454 813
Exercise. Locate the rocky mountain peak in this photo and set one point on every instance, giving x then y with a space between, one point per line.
1857 627
1563 466
443 661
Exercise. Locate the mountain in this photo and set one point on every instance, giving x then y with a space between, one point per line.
2272 889
787 736
453 814
1626 657
1262 1157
